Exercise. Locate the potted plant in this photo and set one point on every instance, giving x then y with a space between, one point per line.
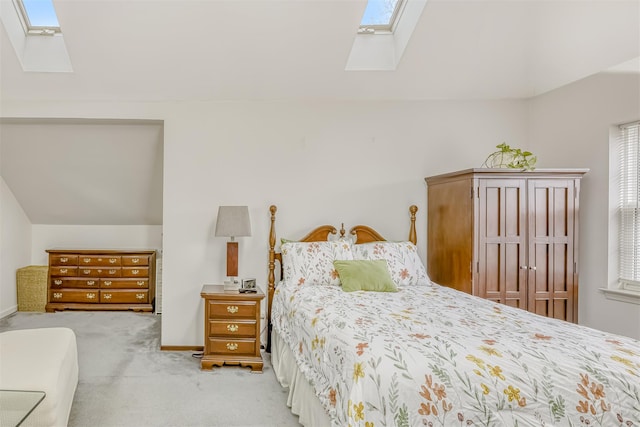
512 158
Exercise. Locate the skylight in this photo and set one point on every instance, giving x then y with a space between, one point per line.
380 16
39 16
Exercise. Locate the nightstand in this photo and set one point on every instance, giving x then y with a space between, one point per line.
231 328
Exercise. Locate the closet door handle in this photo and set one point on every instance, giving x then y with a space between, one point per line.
532 268
523 267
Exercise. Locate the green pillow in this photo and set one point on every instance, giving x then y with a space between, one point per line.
365 275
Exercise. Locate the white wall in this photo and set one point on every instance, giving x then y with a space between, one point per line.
15 247
569 127
92 237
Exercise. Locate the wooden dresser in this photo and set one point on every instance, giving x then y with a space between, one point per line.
231 328
101 280
508 236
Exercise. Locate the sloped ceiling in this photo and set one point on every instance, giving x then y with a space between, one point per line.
168 50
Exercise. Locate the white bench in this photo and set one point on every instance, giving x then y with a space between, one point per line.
43 359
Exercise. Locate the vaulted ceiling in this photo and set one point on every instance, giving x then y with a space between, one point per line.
168 50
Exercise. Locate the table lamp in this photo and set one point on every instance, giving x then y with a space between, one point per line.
233 221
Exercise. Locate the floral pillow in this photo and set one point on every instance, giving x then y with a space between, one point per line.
405 265
312 262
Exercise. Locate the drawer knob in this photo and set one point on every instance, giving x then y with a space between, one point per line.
140 296
107 283
232 309
91 296
57 294
107 296
232 328
91 282
231 346
57 282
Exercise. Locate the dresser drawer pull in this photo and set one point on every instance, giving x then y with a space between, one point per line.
107 296
140 282
107 283
87 260
86 271
232 309
91 282
64 259
63 270
91 296
57 294
232 328
135 271
140 296
57 282
231 346
135 260
113 260
112 271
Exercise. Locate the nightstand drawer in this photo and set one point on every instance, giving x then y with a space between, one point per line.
232 346
232 309
232 328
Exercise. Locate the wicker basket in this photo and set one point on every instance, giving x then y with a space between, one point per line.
32 288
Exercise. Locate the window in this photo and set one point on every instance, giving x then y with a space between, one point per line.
380 16
628 157
38 17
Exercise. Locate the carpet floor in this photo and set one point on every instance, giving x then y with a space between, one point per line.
125 380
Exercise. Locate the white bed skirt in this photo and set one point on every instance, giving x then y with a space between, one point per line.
302 399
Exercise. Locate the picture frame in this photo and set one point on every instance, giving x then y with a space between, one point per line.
248 285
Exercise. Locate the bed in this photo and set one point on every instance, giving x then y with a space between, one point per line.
421 354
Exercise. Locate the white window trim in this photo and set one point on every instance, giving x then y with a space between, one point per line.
617 291
33 30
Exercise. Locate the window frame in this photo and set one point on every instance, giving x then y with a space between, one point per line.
626 289
384 28
34 30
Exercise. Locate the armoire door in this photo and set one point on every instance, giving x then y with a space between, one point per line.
552 286
501 225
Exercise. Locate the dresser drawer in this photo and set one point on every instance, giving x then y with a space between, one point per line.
65 295
232 346
64 259
124 283
230 328
135 260
63 282
124 296
232 309
135 271
63 271
99 260
99 271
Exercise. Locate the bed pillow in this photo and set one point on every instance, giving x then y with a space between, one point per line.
405 266
365 275
312 262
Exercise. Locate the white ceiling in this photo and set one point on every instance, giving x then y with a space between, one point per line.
156 50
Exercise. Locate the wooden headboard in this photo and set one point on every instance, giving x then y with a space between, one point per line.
362 233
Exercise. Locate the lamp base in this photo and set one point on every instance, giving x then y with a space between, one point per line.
231 284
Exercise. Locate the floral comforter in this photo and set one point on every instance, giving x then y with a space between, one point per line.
430 355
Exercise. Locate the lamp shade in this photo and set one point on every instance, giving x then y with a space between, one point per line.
233 221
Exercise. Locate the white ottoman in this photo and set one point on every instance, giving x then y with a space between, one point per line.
41 359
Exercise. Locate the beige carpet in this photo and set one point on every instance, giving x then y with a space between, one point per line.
125 380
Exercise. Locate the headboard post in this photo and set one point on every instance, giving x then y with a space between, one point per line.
413 238
272 266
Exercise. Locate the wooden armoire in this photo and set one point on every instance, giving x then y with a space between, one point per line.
508 236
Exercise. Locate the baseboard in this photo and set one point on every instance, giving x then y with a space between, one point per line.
181 348
8 311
